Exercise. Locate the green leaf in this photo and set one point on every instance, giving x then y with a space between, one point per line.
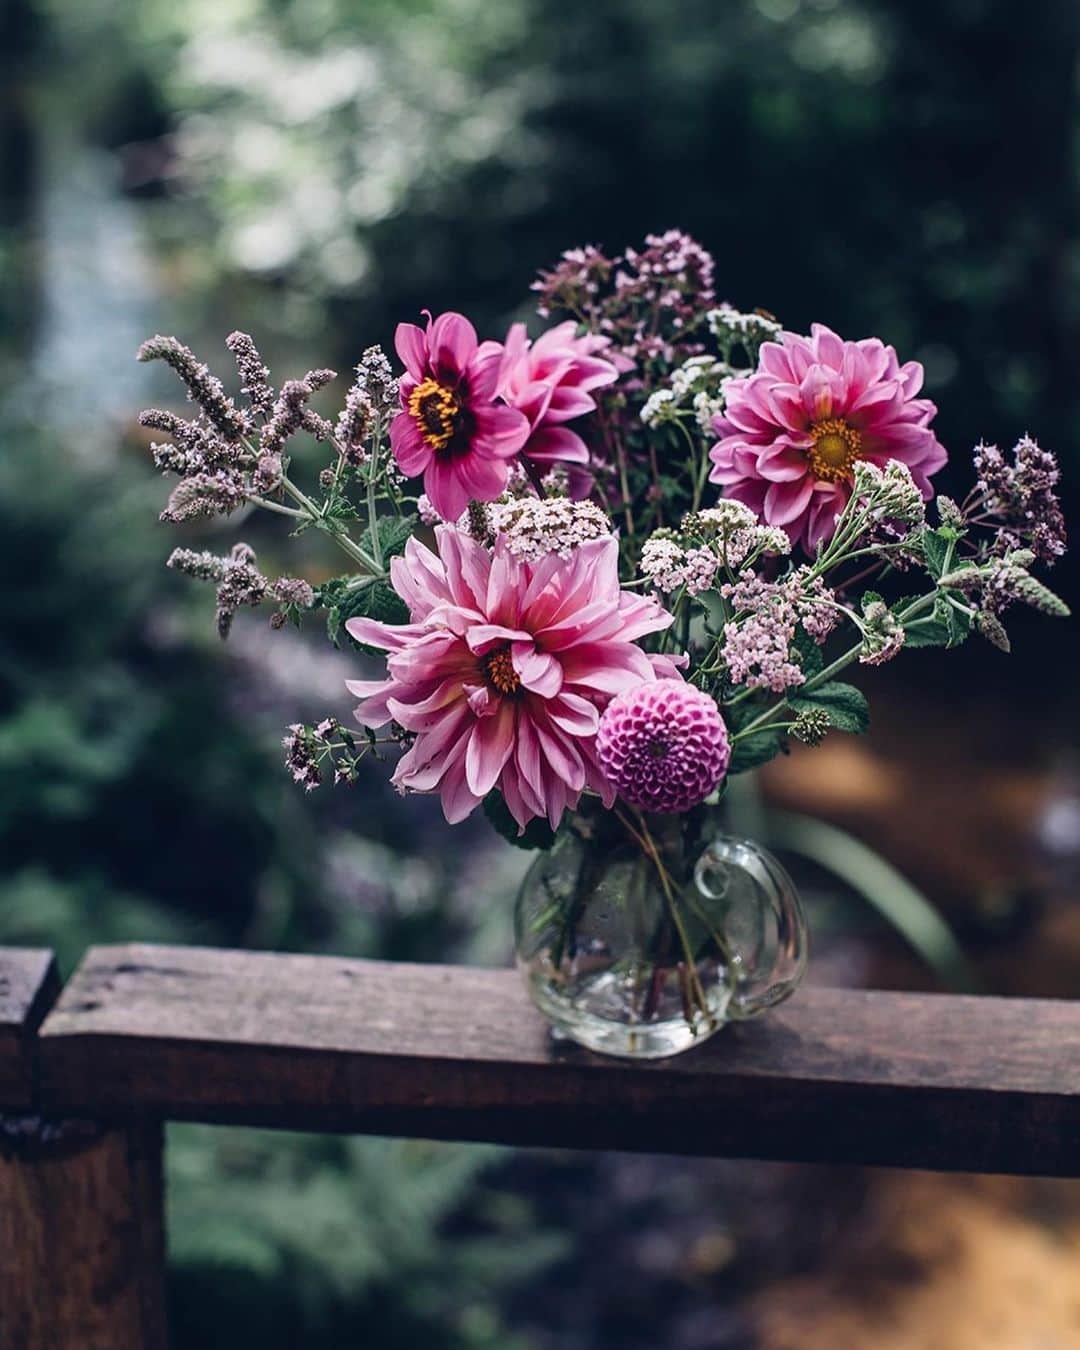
394 533
372 598
810 654
957 624
937 545
538 833
844 705
756 749
929 633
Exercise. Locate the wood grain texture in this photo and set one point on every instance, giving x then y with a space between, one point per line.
320 1043
28 985
82 1246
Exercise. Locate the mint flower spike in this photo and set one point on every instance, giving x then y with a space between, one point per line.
204 388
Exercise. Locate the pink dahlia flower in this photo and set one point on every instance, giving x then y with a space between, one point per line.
790 433
451 429
504 670
550 381
663 746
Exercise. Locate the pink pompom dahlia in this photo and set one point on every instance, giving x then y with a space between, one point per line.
551 382
504 670
451 429
791 432
663 746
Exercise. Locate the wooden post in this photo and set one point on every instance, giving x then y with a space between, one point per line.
81 1239
81 1229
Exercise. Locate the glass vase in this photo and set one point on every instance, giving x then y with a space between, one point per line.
642 935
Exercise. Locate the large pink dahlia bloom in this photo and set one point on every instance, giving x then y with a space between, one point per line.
504 670
790 433
551 381
451 428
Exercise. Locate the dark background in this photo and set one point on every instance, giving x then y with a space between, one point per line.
313 172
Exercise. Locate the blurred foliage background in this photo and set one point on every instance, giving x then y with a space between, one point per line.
313 171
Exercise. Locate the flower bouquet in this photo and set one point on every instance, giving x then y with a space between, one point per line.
607 569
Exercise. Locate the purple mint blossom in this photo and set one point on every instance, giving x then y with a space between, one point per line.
254 376
203 388
291 413
1022 498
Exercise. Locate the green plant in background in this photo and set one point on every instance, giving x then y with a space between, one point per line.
346 1242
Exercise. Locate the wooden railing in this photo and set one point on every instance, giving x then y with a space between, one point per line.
144 1034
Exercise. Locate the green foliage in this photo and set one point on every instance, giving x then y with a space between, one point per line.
756 749
394 533
844 705
328 1242
937 547
538 833
347 598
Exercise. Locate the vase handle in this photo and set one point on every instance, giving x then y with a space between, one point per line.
763 922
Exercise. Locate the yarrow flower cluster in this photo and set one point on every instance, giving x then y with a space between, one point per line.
534 527
758 642
696 387
715 539
663 746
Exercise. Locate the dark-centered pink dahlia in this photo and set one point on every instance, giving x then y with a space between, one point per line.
452 430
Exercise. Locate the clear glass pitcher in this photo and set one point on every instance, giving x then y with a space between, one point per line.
642 935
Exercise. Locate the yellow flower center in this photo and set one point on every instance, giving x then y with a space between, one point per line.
836 448
499 671
435 409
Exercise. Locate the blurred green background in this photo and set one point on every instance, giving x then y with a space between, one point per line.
313 171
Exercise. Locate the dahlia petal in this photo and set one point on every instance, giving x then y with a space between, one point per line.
451 341
604 668
567 402
484 636
424 763
515 802
491 743
783 464
457 799
467 565
410 343
538 672
786 501
391 637
557 753
443 485
372 712
499 431
484 371
573 714
555 444
483 479
828 347
411 451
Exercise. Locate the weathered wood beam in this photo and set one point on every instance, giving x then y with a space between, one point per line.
321 1043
